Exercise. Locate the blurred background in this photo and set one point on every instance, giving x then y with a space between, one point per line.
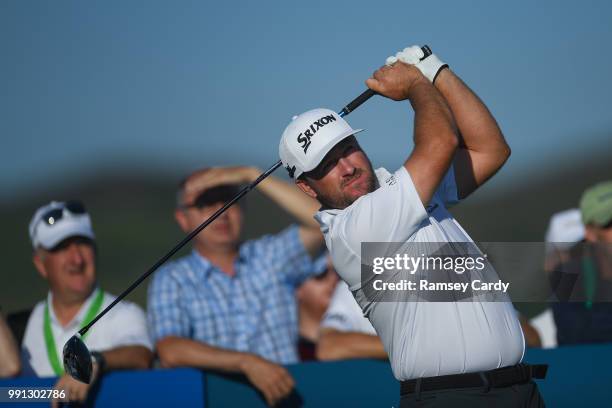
111 102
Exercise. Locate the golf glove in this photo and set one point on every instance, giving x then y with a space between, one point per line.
422 58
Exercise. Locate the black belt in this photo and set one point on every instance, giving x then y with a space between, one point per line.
500 377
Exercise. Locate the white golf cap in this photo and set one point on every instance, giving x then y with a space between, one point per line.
564 230
309 137
56 221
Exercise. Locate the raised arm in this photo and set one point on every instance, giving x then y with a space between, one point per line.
483 149
435 134
128 357
286 195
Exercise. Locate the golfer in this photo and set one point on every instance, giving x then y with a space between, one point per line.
443 353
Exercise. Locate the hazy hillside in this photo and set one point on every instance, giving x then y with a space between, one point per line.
134 224
522 212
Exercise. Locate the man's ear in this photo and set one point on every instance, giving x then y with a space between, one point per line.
37 258
181 220
306 188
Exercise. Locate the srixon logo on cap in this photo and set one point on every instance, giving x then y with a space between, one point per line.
304 137
290 170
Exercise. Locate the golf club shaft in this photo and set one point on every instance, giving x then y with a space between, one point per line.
354 104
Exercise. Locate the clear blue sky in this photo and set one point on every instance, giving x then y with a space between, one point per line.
177 84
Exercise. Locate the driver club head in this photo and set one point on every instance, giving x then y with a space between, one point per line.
77 359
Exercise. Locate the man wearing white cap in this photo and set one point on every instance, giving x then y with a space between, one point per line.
444 353
65 256
582 274
563 239
565 229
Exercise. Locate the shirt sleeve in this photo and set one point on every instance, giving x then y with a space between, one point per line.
447 190
130 323
165 313
392 213
286 252
344 314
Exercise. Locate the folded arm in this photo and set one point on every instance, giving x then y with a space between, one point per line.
128 357
273 380
337 345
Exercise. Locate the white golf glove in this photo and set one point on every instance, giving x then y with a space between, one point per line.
422 58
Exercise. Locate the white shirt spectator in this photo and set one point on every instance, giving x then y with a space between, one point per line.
565 229
344 314
124 325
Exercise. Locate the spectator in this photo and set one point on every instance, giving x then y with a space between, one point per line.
596 209
313 298
65 256
9 355
565 230
230 305
582 275
345 332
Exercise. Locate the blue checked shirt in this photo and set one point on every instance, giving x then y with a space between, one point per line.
253 311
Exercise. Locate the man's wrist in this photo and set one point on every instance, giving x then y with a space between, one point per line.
441 75
245 360
417 86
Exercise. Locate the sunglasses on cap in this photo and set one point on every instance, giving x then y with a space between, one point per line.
74 207
220 194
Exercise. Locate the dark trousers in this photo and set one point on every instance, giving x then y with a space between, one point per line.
524 395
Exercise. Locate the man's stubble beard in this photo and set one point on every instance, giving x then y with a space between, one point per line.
371 184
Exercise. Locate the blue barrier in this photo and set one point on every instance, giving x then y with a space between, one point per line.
578 376
182 387
355 383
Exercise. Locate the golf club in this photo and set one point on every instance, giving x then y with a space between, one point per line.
77 358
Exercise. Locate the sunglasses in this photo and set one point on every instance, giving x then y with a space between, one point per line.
74 207
220 194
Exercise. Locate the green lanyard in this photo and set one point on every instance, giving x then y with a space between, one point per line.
93 310
590 280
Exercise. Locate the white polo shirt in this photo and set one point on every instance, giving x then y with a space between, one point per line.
344 314
422 339
124 325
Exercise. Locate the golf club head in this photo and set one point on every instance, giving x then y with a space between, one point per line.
77 359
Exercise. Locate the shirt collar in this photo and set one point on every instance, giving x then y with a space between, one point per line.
206 267
78 318
204 263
